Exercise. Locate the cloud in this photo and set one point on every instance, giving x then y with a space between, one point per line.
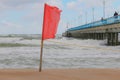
72 5
84 4
87 4
14 3
10 24
37 9
19 3
77 8
30 14
8 27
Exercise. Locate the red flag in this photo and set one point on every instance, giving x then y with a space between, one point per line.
50 22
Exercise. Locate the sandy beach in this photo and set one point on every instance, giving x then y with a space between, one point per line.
60 74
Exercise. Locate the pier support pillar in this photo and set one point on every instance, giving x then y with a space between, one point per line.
112 39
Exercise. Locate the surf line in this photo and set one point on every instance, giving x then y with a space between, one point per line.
76 45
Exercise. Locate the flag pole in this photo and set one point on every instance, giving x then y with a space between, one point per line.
46 25
42 41
41 54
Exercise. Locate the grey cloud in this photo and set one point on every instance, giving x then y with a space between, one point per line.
21 4
18 2
32 13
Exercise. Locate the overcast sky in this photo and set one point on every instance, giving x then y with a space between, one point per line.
25 16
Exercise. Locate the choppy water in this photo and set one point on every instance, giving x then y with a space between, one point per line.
58 53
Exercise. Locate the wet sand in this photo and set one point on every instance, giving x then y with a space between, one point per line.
60 74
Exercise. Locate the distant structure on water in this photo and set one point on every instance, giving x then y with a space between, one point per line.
103 29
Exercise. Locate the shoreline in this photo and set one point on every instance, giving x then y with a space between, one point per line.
60 74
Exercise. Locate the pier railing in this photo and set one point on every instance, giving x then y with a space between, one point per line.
102 22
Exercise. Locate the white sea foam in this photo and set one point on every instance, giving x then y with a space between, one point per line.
59 53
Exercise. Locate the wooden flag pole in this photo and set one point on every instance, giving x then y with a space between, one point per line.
41 54
49 26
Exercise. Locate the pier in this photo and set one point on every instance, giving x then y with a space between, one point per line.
108 28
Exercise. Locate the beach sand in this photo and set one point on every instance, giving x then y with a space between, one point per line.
60 74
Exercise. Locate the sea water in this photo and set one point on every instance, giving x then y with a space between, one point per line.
23 51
